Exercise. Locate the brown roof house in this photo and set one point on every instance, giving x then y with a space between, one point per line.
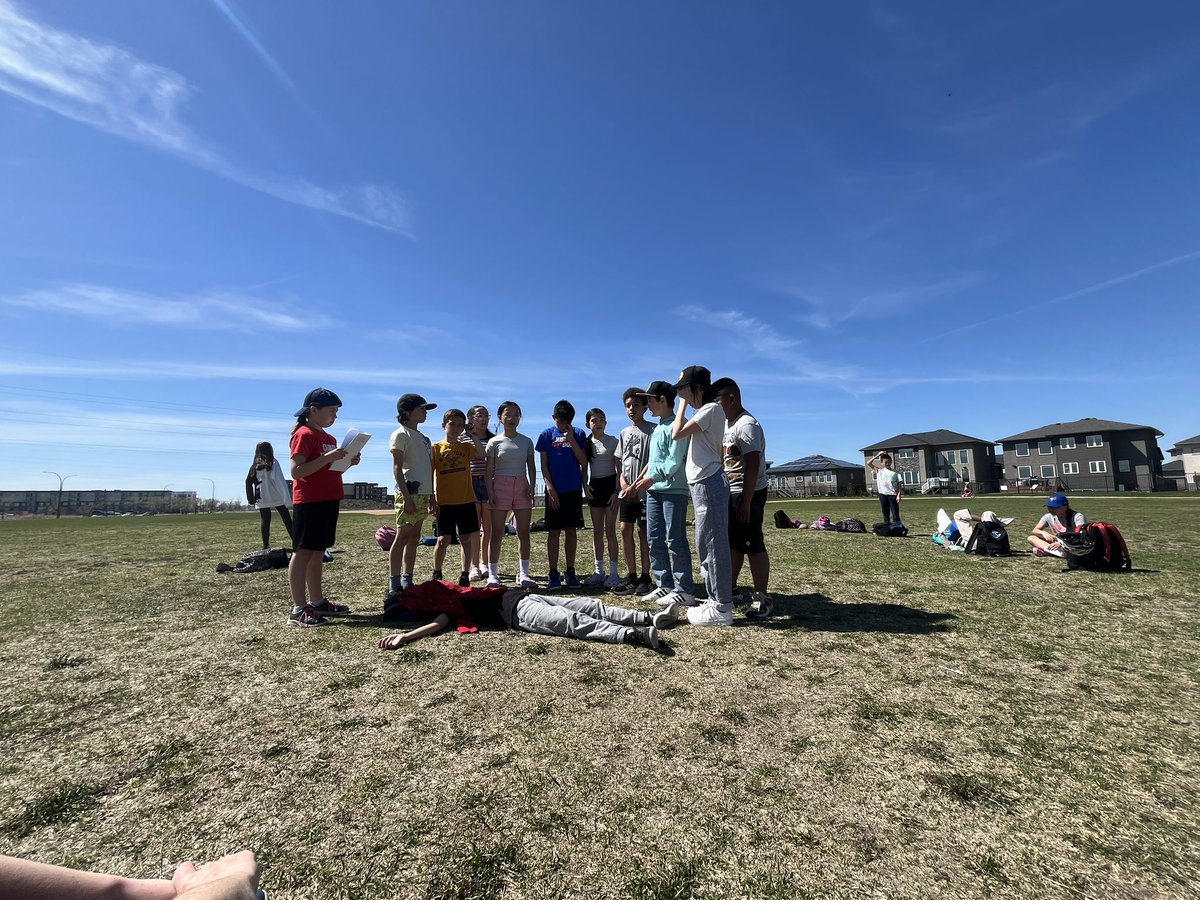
936 461
1087 455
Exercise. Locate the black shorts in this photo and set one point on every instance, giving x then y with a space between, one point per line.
602 490
314 525
632 511
569 513
457 518
747 537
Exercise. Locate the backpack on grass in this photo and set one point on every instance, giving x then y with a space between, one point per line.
1098 547
782 520
989 539
258 561
889 529
851 526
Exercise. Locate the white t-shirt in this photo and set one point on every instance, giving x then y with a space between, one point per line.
887 481
418 457
744 436
512 455
704 451
601 453
1053 523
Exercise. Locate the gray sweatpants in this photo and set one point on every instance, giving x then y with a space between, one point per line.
710 499
575 617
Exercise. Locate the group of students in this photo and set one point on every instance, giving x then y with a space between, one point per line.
474 480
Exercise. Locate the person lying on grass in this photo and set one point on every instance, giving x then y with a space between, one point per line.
232 877
574 617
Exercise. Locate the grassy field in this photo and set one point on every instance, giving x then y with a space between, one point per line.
912 723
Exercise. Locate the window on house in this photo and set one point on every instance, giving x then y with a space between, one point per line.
966 474
962 456
1022 449
1123 466
1045 448
1069 468
1098 466
1095 440
1047 471
909 476
1066 443
1024 471
906 453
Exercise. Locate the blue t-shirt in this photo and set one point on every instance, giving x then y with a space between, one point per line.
564 467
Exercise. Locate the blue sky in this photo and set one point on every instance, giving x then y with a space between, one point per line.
878 217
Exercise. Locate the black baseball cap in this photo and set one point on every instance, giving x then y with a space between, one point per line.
659 389
694 375
409 402
318 397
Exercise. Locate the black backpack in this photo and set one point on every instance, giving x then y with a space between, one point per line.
989 539
889 529
1098 547
258 561
782 520
851 526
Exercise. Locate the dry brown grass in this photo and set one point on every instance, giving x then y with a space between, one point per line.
911 724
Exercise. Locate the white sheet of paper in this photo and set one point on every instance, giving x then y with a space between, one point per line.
352 443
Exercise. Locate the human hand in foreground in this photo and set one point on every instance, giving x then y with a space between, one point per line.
232 877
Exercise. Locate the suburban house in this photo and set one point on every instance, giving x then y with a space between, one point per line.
1089 454
939 460
816 476
1185 464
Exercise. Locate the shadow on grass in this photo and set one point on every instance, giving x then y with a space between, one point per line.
816 612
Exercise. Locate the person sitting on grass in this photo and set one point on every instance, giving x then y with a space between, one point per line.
955 533
1059 519
232 877
573 617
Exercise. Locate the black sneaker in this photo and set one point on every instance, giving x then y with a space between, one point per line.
464 580
436 576
643 636
627 585
644 584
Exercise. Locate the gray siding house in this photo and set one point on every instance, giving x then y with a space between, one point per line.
1186 454
1088 455
816 476
928 460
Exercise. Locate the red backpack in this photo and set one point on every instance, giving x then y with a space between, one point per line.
1098 547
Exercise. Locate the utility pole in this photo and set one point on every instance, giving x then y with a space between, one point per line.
212 503
61 479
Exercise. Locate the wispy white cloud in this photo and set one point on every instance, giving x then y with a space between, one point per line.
109 88
212 311
826 313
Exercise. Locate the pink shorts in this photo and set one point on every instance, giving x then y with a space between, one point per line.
512 492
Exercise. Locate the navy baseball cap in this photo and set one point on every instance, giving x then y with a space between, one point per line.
1057 501
318 397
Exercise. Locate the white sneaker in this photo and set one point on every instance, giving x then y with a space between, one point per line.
710 613
594 580
683 598
656 595
494 583
667 616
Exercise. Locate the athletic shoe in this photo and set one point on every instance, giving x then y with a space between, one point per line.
572 580
656 595
327 557
667 616
710 613
645 584
612 581
740 596
646 636
494 583
555 581
327 607
760 607
624 586
528 583
1038 551
436 576
683 598
478 574
594 580
464 580
307 618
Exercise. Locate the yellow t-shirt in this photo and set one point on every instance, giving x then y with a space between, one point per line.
452 473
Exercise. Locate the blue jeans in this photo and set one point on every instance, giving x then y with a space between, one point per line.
710 499
666 530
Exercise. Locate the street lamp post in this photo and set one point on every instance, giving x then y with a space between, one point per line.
212 502
170 498
61 479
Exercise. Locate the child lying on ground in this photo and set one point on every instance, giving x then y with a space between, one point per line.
954 533
576 617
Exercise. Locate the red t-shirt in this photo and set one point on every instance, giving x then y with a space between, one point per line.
324 484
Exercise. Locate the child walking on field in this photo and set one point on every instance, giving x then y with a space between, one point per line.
601 451
454 495
317 492
510 477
